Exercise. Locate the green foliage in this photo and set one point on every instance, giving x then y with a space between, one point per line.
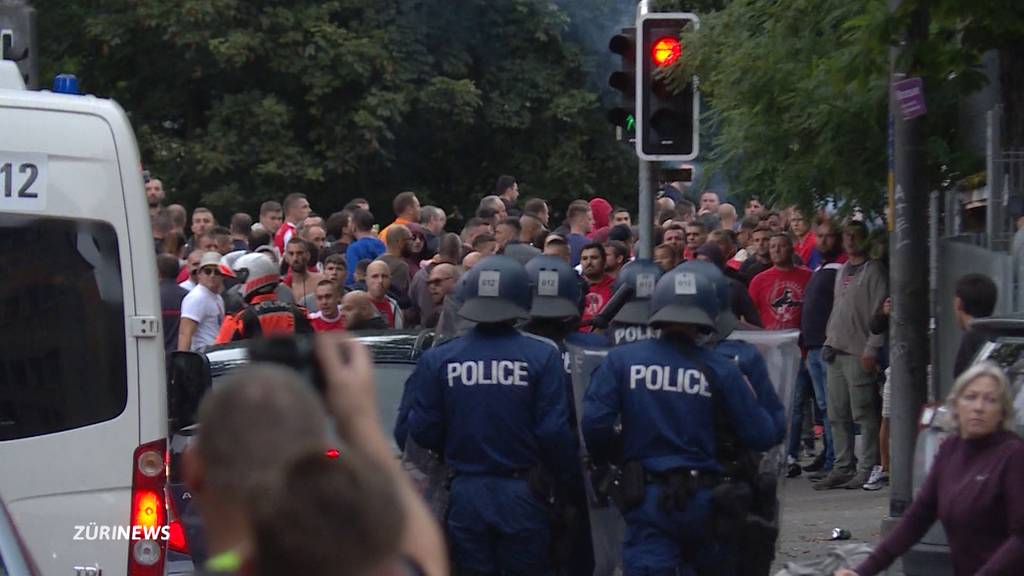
797 91
235 102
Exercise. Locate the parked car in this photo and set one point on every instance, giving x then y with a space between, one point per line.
395 353
1005 347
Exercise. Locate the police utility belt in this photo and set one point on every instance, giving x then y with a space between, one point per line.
628 489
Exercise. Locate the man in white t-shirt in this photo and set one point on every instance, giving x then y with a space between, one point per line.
202 310
193 268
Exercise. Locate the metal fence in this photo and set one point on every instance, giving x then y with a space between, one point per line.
959 256
960 252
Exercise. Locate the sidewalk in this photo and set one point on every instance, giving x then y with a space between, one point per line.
808 517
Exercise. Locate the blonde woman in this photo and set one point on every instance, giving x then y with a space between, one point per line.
975 487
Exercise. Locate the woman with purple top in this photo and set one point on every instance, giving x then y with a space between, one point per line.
975 487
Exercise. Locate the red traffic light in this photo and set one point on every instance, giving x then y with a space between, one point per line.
665 51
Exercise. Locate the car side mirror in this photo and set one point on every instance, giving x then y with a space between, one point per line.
188 381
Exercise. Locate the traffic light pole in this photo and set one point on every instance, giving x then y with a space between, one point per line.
909 349
646 211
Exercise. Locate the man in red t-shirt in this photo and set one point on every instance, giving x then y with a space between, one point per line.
599 282
806 240
778 292
378 282
296 209
328 316
696 236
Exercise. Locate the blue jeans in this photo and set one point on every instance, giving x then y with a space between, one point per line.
796 411
819 378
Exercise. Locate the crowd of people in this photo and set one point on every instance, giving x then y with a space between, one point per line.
293 271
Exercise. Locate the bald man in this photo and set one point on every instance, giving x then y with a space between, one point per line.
471 259
378 282
444 278
727 216
358 313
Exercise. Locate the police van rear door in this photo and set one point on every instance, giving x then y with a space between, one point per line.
78 310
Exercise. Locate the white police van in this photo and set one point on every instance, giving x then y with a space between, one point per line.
83 402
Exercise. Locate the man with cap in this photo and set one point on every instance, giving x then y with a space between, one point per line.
668 394
202 310
747 521
263 314
630 323
494 402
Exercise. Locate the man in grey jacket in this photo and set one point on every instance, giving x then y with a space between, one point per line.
861 286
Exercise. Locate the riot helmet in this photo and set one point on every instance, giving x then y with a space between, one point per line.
259 274
726 321
684 296
496 289
556 288
641 276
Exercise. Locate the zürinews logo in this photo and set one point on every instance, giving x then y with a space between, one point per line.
92 532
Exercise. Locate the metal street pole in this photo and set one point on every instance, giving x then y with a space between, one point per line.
644 172
908 275
646 212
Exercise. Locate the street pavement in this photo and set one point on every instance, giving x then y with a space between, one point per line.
809 515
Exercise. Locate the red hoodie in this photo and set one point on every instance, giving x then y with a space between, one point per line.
602 211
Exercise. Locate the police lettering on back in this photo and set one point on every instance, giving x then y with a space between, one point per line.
504 372
660 378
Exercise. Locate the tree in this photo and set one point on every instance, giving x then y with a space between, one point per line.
236 102
798 91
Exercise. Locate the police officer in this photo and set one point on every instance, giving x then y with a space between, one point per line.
630 323
665 392
263 314
494 402
751 524
743 353
555 314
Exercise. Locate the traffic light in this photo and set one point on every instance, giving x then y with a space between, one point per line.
18 39
624 80
667 122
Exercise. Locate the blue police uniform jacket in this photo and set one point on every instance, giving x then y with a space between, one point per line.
667 406
494 401
752 365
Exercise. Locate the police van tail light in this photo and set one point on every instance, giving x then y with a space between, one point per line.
176 541
149 510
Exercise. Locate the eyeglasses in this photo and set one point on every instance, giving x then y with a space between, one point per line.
210 271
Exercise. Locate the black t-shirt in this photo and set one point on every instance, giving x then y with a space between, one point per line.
171 296
969 346
752 267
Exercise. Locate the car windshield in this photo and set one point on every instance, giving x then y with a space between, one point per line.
1008 353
